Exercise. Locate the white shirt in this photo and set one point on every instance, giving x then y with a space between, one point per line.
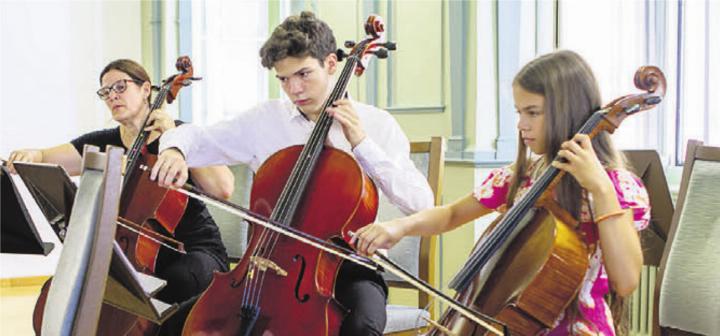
253 135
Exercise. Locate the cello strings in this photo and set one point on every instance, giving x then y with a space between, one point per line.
301 173
508 224
150 237
377 263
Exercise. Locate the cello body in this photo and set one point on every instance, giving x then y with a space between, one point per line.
113 321
534 281
342 198
159 209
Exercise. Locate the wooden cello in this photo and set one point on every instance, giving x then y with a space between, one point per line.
144 221
159 209
315 189
529 267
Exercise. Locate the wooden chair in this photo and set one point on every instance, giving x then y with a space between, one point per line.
687 288
416 254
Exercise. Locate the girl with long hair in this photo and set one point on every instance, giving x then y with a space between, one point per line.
554 95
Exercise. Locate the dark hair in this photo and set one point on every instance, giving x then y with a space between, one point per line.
129 67
571 95
298 36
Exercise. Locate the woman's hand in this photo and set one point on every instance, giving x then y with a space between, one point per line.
382 235
583 164
160 121
170 169
23 155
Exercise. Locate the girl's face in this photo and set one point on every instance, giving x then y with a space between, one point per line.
531 124
125 98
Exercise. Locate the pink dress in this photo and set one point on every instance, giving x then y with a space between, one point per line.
593 317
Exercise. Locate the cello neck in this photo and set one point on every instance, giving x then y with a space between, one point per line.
290 198
168 90
136 151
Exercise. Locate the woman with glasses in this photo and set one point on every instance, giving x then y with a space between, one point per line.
125 89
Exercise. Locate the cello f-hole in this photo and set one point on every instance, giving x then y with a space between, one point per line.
125 243
300 277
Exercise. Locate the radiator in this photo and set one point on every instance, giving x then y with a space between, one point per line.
641 303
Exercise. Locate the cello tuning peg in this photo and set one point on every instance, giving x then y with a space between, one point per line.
390 45
381 53
349 44
653 100
341 55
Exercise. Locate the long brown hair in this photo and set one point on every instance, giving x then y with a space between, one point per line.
571 95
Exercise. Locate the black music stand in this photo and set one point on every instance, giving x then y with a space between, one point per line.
647 165
53 191
18 233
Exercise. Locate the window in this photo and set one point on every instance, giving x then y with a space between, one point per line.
698 45
611 37
226 39
678 37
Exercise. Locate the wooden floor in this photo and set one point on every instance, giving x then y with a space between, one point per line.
17 300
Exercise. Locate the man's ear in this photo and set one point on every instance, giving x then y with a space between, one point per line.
331 63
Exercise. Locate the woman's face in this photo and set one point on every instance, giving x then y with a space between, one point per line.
126 99
531 124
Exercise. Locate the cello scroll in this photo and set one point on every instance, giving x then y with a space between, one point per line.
647 78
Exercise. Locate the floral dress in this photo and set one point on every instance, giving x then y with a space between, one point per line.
593 313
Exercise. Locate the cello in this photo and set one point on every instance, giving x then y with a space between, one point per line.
279 276
527 269
158 213
160 209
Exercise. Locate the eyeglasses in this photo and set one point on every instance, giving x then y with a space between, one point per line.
119 87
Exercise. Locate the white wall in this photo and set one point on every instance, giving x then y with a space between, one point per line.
51 53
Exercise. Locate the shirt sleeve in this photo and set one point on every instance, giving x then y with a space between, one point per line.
217 144
492 193
631 194
387 162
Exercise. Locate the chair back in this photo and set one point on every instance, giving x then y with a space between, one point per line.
687 290
415 254
648 167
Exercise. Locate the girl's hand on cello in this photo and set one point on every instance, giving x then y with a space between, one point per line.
170 170
583 164
381 235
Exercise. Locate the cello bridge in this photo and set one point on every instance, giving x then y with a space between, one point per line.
263 264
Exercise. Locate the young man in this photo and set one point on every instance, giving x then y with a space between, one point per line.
301 51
